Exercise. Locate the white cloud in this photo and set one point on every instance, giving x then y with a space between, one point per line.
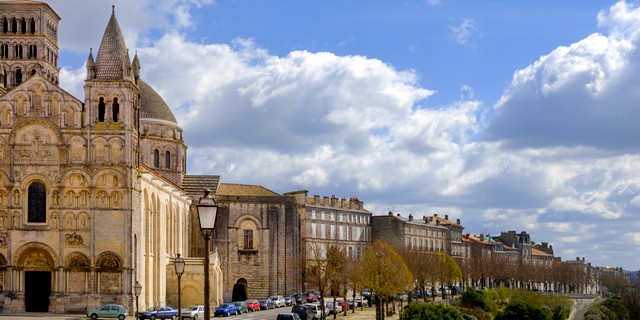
464 32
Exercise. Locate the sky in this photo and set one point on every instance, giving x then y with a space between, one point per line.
509 115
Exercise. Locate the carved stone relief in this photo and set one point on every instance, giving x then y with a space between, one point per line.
77 151
73 239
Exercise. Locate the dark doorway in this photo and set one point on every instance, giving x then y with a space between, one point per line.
37 289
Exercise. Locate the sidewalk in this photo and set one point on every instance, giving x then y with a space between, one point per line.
368 313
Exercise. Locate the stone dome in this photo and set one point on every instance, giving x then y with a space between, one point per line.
152 106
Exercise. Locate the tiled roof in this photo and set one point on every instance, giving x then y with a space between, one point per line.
194 184
248 190
152 106
537 252
112 52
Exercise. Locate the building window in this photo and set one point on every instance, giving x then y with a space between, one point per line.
18 77
33 25
248 239
37 203
115 109
101 110
167 160
156 158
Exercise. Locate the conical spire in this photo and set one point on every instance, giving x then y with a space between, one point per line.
110 61
136 67
91 65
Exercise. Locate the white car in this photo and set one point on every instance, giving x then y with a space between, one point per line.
278 301
193 312
338 307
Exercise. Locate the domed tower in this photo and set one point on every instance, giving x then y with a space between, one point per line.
29 41
161 142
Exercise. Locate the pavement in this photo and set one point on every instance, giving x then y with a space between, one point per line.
368 313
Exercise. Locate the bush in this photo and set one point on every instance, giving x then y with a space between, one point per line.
423 311
524 311
472 298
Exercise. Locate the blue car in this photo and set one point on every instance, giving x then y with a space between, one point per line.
226 309
163 312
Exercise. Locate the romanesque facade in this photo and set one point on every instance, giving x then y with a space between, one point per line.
90 189
257 237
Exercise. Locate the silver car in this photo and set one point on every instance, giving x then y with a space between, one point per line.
278 301
193 312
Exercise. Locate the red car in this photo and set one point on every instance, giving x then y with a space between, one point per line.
253 305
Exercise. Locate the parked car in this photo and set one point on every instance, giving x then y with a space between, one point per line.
226 309
162 312
241 306
253 304
287 316
193 312
289 301
278 301
299 298
304 311
108 311
266 304
317 312
331 309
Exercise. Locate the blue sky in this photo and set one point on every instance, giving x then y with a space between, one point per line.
510 115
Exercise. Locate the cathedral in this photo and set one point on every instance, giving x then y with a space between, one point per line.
91 201
94 195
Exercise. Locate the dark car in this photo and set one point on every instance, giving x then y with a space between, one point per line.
242 306
287 316
226 309
305 312
162 312
266 304
253 304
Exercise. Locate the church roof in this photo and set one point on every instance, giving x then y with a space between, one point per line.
195 184
247 190
112 53
152 106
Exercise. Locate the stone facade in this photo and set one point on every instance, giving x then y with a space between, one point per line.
90 196
257 237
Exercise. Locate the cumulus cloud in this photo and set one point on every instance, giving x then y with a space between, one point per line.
555 160
582 94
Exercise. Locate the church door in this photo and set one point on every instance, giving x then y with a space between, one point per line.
37 289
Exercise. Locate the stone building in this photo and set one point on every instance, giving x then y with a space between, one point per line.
431 233
257 237
90 189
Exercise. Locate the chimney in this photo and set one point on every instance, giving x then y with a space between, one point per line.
435 215
316 199
458 221
410 216
326 200
446 217
333 200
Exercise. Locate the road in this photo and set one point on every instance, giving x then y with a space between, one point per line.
581 306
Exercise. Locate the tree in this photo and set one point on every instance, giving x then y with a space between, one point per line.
317 273
523 310
384 272
448 272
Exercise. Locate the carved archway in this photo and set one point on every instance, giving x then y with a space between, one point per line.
36 256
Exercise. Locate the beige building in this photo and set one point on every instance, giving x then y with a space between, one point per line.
91 196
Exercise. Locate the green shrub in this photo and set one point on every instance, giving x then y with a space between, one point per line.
523 310
424 311
472 298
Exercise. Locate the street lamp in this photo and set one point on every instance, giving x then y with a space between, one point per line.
137 289
207 211
178 263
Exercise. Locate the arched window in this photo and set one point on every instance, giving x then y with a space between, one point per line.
33 72
23 25
4 51
101 110
14 25
5 25
33 25
116 109
37 203
18 77
167 160
18 51
156 158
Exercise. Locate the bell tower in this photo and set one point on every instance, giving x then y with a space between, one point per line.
28 42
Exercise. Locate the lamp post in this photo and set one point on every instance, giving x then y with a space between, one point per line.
207 211
178 263
137 289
